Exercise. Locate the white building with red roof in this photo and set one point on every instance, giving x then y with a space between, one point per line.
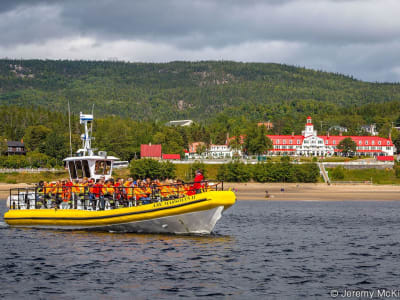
310 144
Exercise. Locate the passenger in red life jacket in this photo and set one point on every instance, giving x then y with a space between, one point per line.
197 181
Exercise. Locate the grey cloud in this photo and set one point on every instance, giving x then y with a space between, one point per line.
360 37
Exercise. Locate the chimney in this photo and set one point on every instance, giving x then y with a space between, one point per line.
292 133
390 135
150 144
328 134
340 133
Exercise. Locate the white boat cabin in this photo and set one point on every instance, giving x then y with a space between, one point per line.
85 163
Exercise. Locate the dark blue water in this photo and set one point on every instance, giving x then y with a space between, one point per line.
260 250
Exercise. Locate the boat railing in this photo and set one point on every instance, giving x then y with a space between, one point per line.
103 197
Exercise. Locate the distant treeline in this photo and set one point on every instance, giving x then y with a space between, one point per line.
46 132
269 172
232 172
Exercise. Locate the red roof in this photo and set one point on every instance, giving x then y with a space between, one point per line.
150 150
286 139
360 140
171 156
385 158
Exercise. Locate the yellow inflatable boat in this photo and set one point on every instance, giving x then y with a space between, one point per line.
196 214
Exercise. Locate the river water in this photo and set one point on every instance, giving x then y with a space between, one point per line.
260 249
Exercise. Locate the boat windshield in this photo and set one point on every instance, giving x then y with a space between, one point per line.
78 166
86 170
72 170
103 167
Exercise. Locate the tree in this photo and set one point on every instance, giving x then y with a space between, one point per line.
56 145
201 149
256 141
348 146
35 136
3 145
236 143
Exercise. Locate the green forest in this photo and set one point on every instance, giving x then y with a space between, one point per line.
133 101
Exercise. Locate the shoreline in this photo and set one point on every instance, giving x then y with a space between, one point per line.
314 192
291 191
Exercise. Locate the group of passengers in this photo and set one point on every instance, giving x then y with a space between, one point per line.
95 194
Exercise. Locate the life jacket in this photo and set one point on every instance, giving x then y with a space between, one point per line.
140 192
109 189
165 191
66 192
98 189
128 189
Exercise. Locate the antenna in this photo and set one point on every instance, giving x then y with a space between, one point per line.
69 125
91 124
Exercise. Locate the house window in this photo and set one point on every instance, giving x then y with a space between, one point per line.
379 142
290 142
388 142
284 142
373 142
326 142
298 142
277 141
366 142
359 142
334 142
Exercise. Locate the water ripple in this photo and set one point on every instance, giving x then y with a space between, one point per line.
276 250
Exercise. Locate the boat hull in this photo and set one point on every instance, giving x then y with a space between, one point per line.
195 214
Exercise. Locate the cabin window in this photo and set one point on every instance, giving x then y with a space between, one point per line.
72 170
99 167
78 167
86 170
108 167
102 167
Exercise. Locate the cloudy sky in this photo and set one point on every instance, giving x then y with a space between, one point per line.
354 37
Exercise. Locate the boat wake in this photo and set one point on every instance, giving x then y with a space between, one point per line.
3 225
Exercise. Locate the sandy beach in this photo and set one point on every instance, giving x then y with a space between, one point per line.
292 191
314 191
5 189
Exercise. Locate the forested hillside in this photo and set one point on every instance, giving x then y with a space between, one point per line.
133 101
179 90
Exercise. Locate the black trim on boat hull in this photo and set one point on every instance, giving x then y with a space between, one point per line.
109 216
